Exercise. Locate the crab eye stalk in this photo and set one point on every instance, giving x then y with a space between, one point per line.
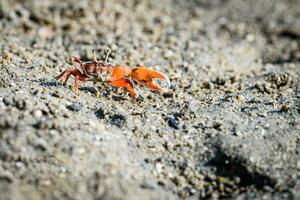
108 51
94 56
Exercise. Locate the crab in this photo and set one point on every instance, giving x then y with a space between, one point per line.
118 76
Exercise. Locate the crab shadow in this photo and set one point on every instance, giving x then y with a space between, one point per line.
58 84
118 98
51 84
87 89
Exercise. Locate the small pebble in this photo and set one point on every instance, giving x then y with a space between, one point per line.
285 108
148 185
298 164
173 122
218 125
7 176
240 98
75 107
7 101
179 180
118 120
3 122
46 182
100 113
41 145
20 104
208 85
235 78
81 150
258 85
19 164
37 114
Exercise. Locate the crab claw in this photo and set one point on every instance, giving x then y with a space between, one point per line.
77 60
125 83
118 79
119 72
145 76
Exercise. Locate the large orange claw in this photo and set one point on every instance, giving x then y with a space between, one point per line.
119 72
144 76
118 79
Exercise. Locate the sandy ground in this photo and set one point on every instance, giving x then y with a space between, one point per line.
229 126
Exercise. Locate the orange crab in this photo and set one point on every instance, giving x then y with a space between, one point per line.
118 76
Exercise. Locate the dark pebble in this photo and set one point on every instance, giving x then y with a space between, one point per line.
40 125
21 104
140 99
118 120
41 145
285 108
208 85
148 185
55 94
75 107
218 125
8 101
168 95
173 122
7 177
100 113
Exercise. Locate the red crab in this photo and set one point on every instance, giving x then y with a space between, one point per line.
119 76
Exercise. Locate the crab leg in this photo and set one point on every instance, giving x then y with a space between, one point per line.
125 83
63 77
77 60
145 76
78 78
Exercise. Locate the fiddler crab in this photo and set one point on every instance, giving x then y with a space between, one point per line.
116 75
